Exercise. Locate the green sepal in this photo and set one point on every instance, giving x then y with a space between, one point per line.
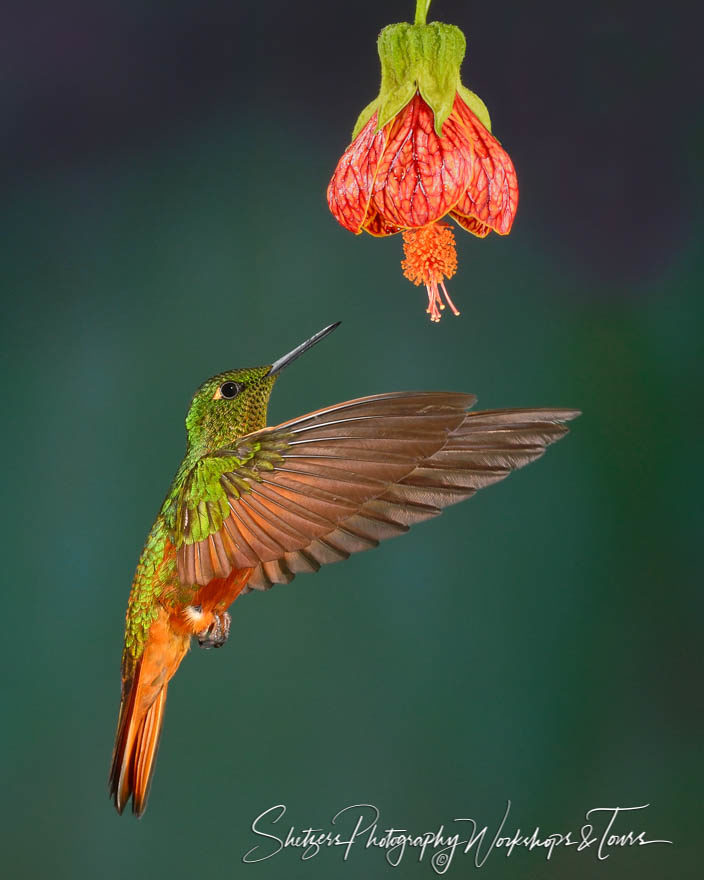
424 58
364 117
476 105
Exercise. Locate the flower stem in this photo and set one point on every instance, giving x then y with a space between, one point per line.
422 7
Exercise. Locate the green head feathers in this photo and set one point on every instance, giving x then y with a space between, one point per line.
233 404
228 406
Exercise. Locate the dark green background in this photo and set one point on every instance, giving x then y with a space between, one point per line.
163 219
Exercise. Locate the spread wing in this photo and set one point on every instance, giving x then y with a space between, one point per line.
318 488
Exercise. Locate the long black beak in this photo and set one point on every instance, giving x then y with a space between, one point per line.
284 361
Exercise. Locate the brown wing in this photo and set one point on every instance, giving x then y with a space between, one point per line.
339 480
483 449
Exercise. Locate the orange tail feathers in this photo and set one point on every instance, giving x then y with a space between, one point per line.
142 714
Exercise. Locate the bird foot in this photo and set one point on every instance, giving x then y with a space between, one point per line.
217 633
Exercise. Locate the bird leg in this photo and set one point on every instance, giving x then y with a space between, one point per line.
217 633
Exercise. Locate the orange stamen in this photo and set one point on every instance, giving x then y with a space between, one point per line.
430 259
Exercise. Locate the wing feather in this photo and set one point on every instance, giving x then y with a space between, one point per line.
337 481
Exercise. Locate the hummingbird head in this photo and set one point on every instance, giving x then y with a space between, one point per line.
234 403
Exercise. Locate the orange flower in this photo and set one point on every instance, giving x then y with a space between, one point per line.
427 160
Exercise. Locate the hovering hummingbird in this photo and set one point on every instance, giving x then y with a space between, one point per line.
252 506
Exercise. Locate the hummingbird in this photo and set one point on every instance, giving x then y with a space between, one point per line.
252 506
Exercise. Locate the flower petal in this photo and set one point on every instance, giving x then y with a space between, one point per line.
492 194
375 224
350 189
421 176
471 224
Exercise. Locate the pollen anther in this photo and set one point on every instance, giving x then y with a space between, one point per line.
431 257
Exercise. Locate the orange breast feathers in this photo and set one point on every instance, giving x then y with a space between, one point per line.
212 598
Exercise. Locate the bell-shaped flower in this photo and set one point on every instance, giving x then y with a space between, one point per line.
423 151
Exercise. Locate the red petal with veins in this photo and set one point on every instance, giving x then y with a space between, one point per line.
420 175
471 224
350 189
376 225
492 194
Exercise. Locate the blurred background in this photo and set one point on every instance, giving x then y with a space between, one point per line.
163 169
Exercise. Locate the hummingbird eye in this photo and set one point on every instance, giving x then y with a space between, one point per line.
228 390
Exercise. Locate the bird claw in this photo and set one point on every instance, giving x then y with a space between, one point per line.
217 633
